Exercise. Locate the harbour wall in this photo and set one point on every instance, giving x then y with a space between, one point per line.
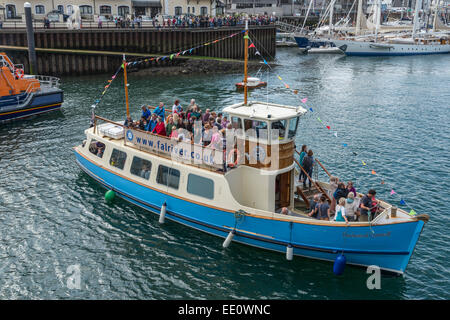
78 52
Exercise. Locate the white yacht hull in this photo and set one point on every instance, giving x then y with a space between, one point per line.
365 48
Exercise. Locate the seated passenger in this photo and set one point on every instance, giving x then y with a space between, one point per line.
169 125
351 208
174 133
152 123
323 209
340 211
160 128
128 122
145 172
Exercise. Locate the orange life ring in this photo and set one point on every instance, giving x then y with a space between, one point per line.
18 73
230 157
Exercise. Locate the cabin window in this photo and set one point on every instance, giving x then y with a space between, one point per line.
168 177
203 11
85 9
293 124
178 11
97 148
118 158
141 167
69 9
61 9
279 125
255 128
236 122
123 10
200 186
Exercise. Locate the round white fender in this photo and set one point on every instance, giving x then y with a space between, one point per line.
227 241
289 252
162 214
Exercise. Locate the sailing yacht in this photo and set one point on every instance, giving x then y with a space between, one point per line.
395 44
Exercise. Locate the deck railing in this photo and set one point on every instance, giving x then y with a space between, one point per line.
216 154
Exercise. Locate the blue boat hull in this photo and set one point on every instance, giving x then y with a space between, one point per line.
40 102
386 246
306 43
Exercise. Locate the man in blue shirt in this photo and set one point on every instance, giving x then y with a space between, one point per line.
159 111
145 112
152 123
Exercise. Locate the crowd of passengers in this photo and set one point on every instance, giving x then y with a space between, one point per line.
188 124
344 204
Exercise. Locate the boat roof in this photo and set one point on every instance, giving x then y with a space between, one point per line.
264 111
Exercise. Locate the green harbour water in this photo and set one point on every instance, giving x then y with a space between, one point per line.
393 113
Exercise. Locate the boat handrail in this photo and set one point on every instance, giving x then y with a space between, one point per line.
310 179
48 81
197 165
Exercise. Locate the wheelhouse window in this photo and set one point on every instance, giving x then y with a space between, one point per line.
200 186
85 9
61 9
105 9
236 122
203 11
255 128
97 148
141 167
40 9
11 11
293 124
118 159
178 11
69 9
279 129
168 176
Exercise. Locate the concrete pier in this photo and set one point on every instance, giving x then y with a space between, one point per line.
88 51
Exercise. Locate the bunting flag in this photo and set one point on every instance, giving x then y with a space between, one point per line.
363 163
246 37
373 172
393 192
311 109
304 100
257 53
412 212
251 46
286 85
328 127
335 133
344 144
402 202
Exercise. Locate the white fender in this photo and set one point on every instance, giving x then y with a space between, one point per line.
162 214
289 252
227 241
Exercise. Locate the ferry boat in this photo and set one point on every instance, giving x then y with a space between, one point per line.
24 95
248 193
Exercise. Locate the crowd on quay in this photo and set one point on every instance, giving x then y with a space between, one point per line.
190 21
344 205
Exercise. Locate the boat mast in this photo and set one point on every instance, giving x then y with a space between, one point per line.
416 17
331 15
126 84
358 18
245 60
378 18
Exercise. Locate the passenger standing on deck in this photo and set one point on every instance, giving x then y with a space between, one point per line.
160 112
169 125
206 116
351 208
340 211
351 188
146 113
308 162
323 210
314 206
177 108
302 156
366 205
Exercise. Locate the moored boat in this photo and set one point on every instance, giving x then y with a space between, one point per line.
24 95
244 190
252 83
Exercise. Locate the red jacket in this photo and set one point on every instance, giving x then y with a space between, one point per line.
160 129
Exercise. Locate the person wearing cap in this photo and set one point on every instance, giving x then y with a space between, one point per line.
366 205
